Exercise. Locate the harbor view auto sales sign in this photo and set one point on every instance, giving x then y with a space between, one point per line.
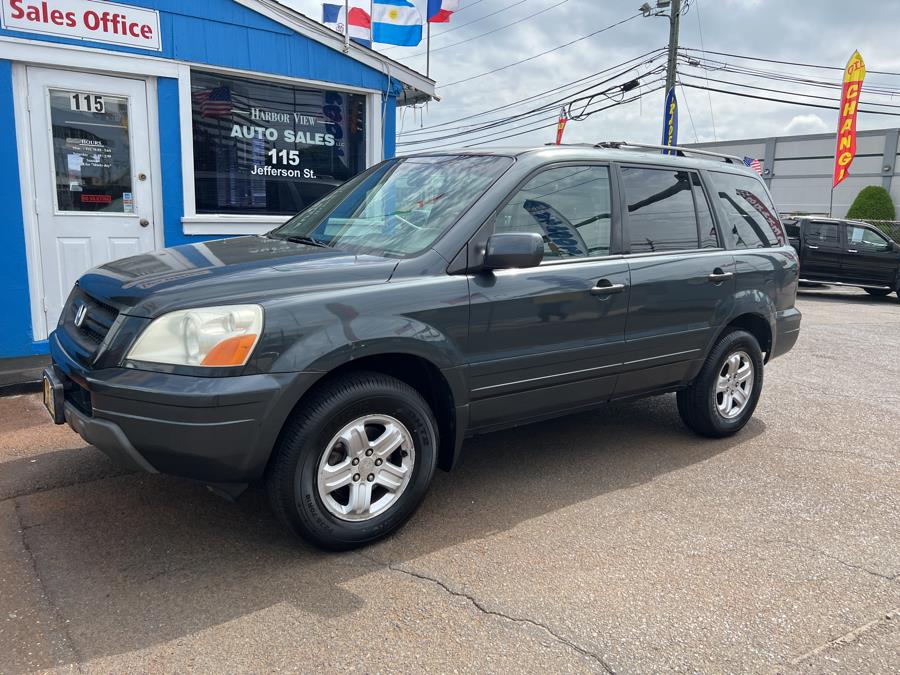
92 20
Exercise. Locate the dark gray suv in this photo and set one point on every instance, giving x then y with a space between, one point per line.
343 357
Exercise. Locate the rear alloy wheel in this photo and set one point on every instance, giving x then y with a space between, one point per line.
723 397
354 462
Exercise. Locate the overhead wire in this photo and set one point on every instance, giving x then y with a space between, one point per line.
551 122
495 30
645 59
553 105
539 55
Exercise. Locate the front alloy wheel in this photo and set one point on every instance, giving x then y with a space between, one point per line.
366 467
354 461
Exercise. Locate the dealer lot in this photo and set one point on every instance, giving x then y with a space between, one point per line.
607 541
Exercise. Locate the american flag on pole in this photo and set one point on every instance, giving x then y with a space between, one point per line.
753 164
214 102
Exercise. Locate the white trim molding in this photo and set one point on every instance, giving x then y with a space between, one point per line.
228 224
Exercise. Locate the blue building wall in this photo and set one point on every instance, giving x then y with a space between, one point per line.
16 338
202 32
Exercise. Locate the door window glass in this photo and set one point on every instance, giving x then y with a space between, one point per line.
709 236
91 152
751 220
820 234
568 206
661 215
862 236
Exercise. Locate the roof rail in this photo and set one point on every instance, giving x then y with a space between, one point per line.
679 150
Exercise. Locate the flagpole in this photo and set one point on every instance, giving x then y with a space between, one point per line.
346 26
428 49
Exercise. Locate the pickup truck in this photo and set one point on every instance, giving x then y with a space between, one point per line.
845 253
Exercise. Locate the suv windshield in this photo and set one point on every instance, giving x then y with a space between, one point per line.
398 208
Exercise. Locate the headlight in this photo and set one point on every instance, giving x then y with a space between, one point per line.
208 336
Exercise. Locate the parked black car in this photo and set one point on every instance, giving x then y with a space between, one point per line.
845 253
344 356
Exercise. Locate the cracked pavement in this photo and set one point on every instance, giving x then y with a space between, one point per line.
611 541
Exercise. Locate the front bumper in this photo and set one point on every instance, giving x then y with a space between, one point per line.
212 429
787 331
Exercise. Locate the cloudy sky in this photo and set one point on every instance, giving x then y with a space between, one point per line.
823 32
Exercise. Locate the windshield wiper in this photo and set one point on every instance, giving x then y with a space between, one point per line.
307 240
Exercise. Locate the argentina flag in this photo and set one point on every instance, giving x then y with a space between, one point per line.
396 22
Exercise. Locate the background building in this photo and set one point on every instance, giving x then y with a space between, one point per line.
798 169
133 127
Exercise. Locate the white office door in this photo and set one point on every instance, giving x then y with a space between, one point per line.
90 142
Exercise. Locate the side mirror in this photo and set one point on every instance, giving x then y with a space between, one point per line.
511 250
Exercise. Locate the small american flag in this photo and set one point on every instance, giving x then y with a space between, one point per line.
214 102
753 164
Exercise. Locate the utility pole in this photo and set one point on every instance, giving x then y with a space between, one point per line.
674 25
670 107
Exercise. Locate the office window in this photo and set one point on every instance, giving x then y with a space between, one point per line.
269 148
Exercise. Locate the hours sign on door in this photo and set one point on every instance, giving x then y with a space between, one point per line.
85 20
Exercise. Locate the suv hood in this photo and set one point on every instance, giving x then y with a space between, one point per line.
227 271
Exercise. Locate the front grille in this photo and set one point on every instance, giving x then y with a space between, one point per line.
83 341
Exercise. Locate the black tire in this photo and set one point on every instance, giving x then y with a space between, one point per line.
878 292
292 477
697 404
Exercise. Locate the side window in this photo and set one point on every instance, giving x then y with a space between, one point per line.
661 215
751 220
568 206
709 237
864 237
792 227
820 234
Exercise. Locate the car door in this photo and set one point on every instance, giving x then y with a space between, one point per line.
682 279
871 259
823 251
547 339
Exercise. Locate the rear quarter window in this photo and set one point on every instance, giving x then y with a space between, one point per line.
751 220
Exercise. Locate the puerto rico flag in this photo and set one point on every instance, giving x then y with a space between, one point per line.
396 22
359 23
439 11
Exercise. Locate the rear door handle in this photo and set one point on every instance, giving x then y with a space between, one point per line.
815 248
852 250
606 287
719 277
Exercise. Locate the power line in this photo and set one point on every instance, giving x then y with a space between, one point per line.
653 54
788 63
686 107
789 93
712 116
513 23
536 56
469 129
493 138
709 65
780 100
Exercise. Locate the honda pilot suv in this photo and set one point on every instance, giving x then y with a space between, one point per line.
342 358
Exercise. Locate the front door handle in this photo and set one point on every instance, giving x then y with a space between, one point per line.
813 247
606 287
852 250
718 276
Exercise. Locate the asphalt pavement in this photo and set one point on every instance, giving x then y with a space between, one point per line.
610 541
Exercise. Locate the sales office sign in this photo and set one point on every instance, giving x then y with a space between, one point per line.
85 20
